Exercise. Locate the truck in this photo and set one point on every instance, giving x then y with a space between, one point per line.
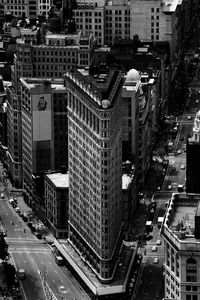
149 226
21 274
160 221
180 188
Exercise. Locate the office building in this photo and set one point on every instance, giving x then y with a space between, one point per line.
181 233
95 161
140 121
107 20
162 21
32 59
193 158
57 202
43 131
31 8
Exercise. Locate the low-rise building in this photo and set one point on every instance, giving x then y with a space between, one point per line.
56 189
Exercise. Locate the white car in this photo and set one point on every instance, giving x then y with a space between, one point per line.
156 260
17 209
179 151
183 167
154 249
197 101
169 187
189 117
158 242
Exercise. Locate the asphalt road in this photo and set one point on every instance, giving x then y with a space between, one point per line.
150 281
36 257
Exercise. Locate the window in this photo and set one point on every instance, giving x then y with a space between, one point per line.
191 270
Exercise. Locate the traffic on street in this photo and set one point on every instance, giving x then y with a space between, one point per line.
150 274
34 255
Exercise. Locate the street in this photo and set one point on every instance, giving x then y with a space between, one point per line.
35 257
150 283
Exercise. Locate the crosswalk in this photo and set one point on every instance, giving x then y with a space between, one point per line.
20 245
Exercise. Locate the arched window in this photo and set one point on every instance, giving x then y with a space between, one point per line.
191 270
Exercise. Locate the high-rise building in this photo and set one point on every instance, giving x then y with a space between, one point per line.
162 21
50 59
193 158
181 233
95 167
107 20
44 130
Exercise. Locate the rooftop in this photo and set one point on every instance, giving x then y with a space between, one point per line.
179 222
102 85
56 84
59 180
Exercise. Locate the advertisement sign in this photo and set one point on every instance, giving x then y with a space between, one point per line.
41 105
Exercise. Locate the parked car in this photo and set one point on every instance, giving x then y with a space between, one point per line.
17 209
154 249
38 235
156 260
158 242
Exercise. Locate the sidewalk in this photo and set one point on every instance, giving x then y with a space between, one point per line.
24 208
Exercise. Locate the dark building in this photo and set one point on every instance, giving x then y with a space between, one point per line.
193 158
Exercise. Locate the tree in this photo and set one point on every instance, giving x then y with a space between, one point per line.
9 273
3 247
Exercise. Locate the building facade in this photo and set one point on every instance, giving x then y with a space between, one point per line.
56 203
193 158
31 8
50 59
44 130
107 20
95 168
181 233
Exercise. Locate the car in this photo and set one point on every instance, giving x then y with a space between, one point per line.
38 235
197 101
183 167
169 187
182 138
2 195
189 117
154 249
17 209
148 237
11 200
158 188
179 151
158 242
156 260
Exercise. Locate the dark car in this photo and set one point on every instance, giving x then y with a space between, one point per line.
148 237
38 235
30 224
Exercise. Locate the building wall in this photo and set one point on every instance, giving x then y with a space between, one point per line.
49 61
192 167
44 129
95 195
56 208
31 8
147 20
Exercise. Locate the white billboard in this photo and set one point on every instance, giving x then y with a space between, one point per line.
41 105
